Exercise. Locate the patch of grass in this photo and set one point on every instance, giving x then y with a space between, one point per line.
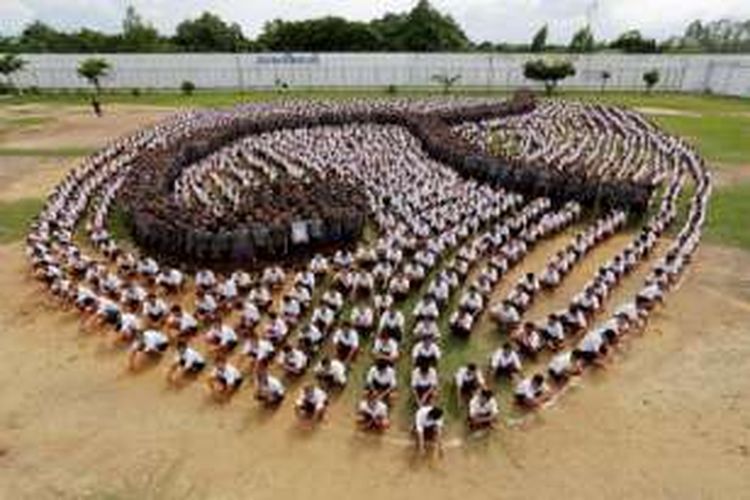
719 138
71 151
15 217
728 220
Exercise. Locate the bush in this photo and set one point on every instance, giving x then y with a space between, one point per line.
7 88
651 78
34 90
391 89
548 72
187 87
135 92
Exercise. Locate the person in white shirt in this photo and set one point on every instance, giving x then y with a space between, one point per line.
154 309
424 384
331 373
225 378
428 427
180 323
531 391
381 379
468 381
346 342
310 338
372 413
259 350
386 348
294 361
222 337
426 352
150 343
595 345
564 365
505 362
188 361
312 403
269 390
649 296
483 410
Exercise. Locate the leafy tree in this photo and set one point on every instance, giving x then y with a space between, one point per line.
605 76
539 42
209 33
423 29
187 87
551 73
632 42
137 35
446 81
93 70
651 78
582 41
10 64
320 35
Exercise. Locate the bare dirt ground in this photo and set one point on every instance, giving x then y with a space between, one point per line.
670 418
76 125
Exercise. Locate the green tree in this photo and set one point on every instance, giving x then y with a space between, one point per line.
446 81
651 78
320 35
423 29
137 35
10 64
93 70
582 41
209 33
551 73
539 42
632 42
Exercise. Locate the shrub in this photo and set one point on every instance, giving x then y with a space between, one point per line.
548 72
187 87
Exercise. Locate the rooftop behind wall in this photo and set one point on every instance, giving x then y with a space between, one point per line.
721 74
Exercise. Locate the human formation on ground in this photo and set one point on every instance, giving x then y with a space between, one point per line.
278 244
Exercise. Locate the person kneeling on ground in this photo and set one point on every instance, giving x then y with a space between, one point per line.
428 427
187 362
150 343
372 413
269 390
531 391
225 378
312 403
483 410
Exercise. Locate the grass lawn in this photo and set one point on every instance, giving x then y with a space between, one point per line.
729 216
15 217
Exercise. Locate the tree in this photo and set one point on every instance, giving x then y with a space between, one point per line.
582 41
320 35
446 81
651 78
550 73
9 64
605 76
187 87
423 29
632 42
93 70
138 36
209 33
539 42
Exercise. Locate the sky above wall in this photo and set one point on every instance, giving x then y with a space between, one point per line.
493 20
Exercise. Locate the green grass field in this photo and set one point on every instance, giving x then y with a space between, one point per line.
718 126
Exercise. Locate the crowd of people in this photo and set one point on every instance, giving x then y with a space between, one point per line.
442 243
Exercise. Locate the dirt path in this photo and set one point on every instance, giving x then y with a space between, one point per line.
670 419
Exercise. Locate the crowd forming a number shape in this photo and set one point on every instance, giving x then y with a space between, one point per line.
438 236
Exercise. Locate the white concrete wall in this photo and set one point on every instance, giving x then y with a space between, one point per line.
722 74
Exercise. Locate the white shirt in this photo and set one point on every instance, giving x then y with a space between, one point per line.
422 420
480 407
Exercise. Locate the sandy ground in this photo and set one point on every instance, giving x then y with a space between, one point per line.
76 125
670 418
666 112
